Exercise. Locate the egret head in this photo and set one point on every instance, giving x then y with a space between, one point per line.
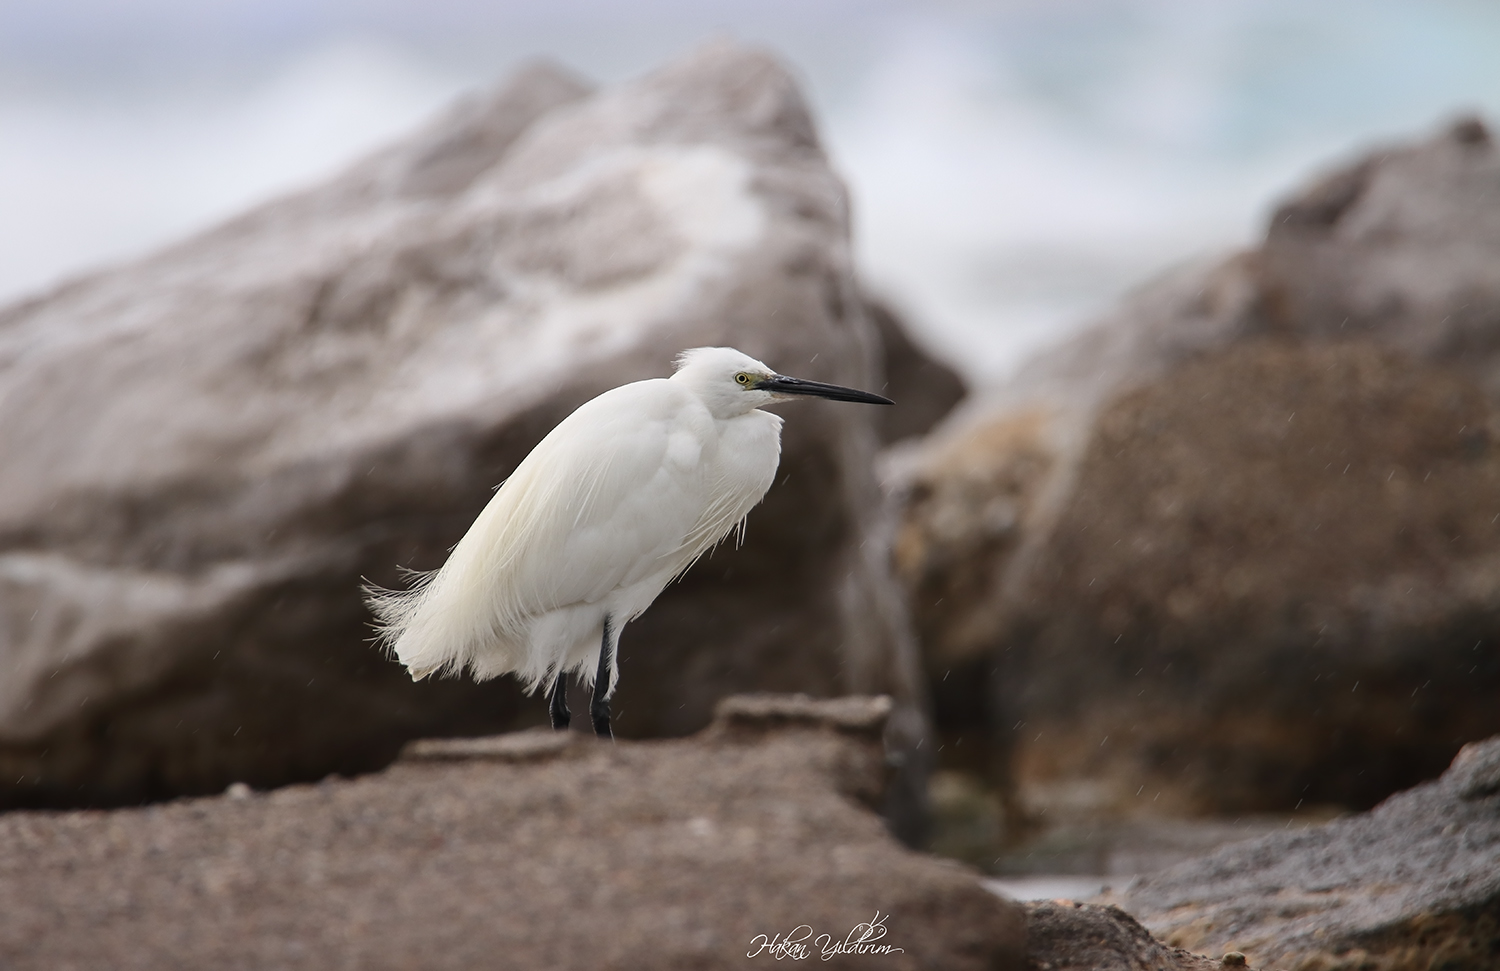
732 383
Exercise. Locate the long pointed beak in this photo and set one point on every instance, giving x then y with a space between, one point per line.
781 384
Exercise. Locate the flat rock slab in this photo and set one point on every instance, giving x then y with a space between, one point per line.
527 851
1410 886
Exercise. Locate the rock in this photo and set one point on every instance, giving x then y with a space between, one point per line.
206 451
1414 884
925 389
979 497
1063 935
1475 772
1289 553
760 711
1234 548
1399 246
681 853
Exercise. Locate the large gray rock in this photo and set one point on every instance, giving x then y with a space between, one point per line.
1411 886
1235 547
1401 246
529 850
204 452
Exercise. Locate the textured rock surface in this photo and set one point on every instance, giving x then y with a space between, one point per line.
205 451
1236 545
1290 556
1411 886
523 851
1064 935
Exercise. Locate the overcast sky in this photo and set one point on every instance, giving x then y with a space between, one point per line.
1014 165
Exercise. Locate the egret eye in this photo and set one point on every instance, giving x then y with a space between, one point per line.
743 378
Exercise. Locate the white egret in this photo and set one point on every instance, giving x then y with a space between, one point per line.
618 500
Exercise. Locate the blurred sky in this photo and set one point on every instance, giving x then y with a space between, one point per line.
1015 165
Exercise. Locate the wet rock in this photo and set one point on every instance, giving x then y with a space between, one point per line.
1410 886
206 451
505 851
1234 548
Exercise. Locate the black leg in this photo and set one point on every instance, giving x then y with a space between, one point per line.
599 707
559 703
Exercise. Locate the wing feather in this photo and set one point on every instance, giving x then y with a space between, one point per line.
740 475
601 498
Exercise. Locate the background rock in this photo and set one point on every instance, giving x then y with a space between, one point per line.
204 452
1149 573
1413 885
1399 246
1292 557
530 850
924 388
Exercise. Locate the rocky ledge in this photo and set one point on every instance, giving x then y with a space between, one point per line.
527 850
1413 885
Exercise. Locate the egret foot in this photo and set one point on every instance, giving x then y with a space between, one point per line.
558 705
599 707
599 710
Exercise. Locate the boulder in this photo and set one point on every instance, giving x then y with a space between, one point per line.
206 451
979 496
528 850
1399 246
1235 547
1410 886
1276 579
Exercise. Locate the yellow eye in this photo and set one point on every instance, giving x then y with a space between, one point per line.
743 378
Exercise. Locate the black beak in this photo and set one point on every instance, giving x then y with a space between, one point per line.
781 384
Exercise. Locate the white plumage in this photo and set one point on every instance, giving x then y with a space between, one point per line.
620 498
